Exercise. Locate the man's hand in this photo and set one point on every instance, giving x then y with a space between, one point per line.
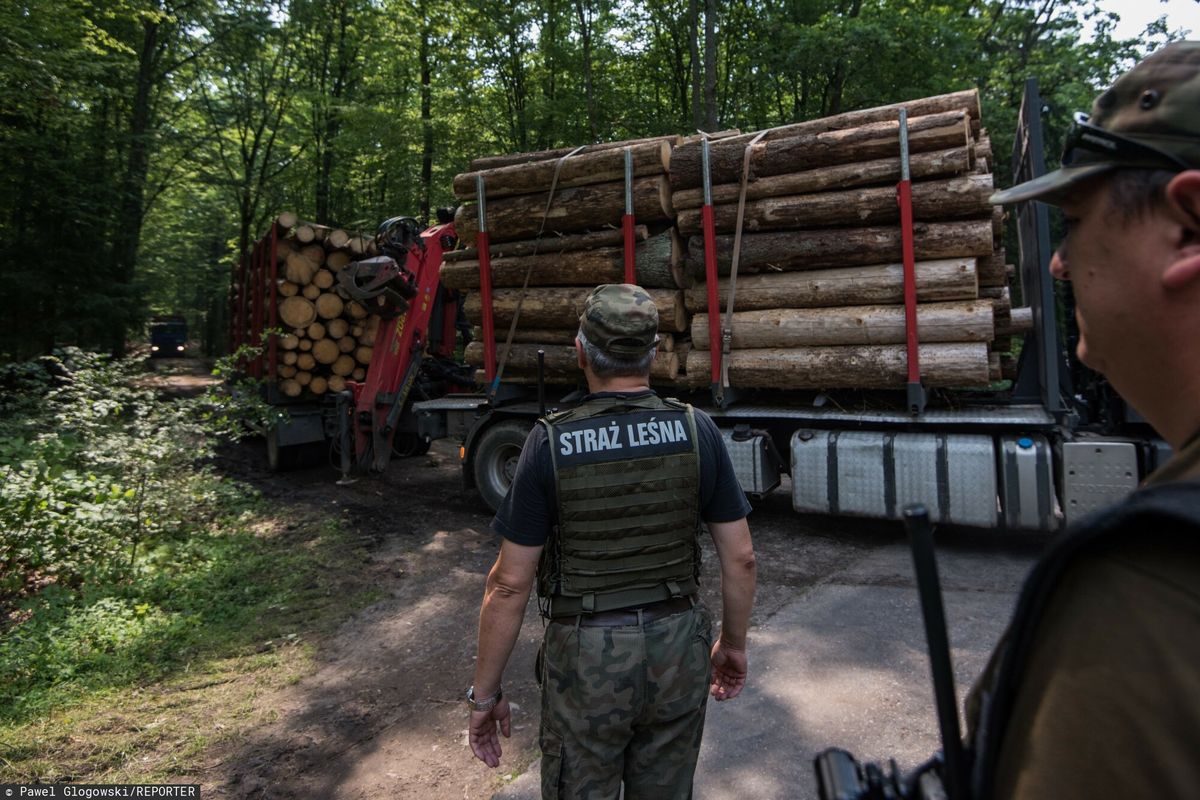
729 671
485 744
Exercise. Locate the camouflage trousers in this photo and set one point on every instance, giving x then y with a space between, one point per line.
624 704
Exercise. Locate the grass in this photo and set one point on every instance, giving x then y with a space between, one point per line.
134 682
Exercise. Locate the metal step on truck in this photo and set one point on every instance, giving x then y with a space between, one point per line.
1055 444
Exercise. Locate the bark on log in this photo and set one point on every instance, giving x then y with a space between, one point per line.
494 162
783 155
561 365
1020 320
560 337
297 312
849 366
664 368
880 284
560 307
967 100
924 166
574 209
658 264
992 269
970 321
551 243
649 158
799 250
939 200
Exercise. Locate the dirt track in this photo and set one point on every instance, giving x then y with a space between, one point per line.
382 715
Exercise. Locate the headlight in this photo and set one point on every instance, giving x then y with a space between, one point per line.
153 348
179 348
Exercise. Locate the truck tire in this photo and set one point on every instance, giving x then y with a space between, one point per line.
495 460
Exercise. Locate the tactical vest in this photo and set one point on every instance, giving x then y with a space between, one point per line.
1169 509
627 472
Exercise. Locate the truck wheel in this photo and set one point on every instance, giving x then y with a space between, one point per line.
495 460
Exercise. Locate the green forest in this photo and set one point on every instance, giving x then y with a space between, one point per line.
147 142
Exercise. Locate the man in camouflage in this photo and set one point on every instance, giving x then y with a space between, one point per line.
1094 691
604 512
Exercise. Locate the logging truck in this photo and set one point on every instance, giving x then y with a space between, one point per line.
870 350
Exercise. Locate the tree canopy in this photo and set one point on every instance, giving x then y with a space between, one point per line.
147 142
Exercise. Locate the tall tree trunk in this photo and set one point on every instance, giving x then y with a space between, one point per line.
426 116
693 26
585 33
710 65
131 209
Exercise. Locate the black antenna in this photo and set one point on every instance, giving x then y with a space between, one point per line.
920 534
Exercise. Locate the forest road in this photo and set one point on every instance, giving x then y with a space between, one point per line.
836 648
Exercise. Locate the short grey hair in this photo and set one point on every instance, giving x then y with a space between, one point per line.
606 365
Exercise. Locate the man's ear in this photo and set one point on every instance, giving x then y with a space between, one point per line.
579 354
1183 205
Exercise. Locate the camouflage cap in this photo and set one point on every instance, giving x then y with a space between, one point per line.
1150 118
620 319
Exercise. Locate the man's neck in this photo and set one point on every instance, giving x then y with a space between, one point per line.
622 384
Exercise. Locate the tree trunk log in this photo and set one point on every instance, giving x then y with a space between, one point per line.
337 328
967 100
303 378
649 158
939 164
1020 320
288 289
658 265
337 383
799 250
329 305
553 243
325 351
561 364
290 387
557 307
316 331
798 153
493 162
337 239
560 337
880 284
849 366
574 209
343 365
318 385
337 259
286 221
299 268
969 321
297 312
931 201
311 292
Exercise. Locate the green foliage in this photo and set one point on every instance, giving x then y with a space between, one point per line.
124 554
150 141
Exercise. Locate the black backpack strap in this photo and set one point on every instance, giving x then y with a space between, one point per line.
1172 509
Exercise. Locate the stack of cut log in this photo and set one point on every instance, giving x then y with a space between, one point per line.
820 292
563 246
327 338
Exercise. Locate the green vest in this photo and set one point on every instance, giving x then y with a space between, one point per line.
627 473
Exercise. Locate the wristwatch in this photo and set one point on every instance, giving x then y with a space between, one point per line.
483 705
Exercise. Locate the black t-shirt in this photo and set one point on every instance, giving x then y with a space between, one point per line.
529 511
